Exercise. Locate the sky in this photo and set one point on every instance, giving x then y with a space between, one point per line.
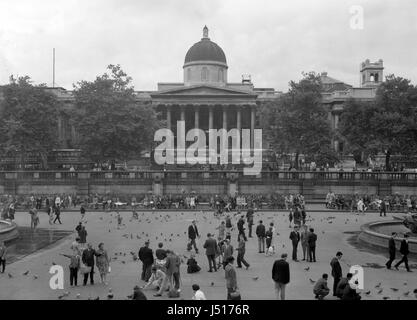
273 41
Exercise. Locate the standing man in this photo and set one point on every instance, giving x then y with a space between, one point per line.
88 260
3 251
230 275
228 226
240 227
281 276
304 243
311 242
383 208
249 218
192 236
391 250
295 239
261 234
146 256
404 251
211 248
336 271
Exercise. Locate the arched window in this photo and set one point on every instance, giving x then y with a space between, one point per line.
376 77
204 74
221 75
372 78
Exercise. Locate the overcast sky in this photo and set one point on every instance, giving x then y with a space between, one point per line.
274 41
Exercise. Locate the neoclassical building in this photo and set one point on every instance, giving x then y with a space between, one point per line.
206 99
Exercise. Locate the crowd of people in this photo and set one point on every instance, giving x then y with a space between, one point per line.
362 203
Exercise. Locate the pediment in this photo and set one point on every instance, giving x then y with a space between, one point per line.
203 90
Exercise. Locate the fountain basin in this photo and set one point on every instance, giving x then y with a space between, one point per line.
8 230
377 234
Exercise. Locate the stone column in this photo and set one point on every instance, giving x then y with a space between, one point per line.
224 118
239 119
336 121
210 117
252 126
182 113
196 117
169 117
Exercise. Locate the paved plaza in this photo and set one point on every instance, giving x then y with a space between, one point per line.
334 229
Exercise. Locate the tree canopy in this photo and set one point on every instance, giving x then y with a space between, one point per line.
111 124
28 120
387 124
297 122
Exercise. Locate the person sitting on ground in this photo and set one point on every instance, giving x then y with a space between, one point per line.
321 289
342 284
349 293
192 264
156 279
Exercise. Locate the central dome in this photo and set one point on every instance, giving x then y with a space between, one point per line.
205 50
205 63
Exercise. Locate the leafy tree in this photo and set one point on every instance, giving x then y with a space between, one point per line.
28 122
297 122
389 124
110 122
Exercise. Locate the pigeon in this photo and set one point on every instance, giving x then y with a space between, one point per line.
407 293
312 281
378 285
405 283
255 278
394 289
10 275
380 291
368 292
78 296
65 294
35 276
53 263
26 273
306 269
386 298
212 284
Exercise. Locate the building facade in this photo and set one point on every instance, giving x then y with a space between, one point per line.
205 99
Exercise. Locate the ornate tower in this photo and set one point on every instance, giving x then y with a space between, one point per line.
371 73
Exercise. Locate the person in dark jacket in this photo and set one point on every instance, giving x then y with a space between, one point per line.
261 234
192 236
295 239
336 271
211 248
192 265
138 294
349 293
311 242
391 250
383 208
57 214
249 218
281 276
146 256
88 259
342 284
404 251
241 228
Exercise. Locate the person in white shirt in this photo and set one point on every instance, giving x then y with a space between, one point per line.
198 294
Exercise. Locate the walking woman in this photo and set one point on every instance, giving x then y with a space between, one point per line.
102 261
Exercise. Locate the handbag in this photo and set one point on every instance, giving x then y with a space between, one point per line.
84 269
235 295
